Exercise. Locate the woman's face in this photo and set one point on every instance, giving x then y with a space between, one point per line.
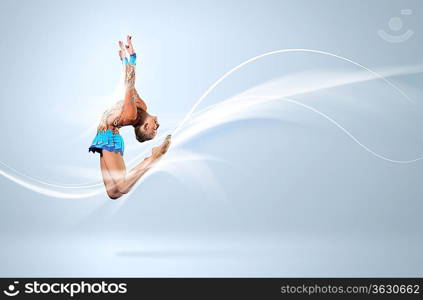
149 127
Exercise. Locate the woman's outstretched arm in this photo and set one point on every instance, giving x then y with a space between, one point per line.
124 112
132 61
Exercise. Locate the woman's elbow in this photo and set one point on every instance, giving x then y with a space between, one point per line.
128 119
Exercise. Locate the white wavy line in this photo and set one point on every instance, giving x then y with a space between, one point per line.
217 82
190 112
70 186
343 129
224 112
49 192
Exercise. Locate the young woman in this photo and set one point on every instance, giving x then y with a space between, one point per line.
132 111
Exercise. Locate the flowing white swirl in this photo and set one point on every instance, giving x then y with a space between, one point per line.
227 111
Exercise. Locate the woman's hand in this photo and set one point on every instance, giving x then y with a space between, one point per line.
122 51
129 46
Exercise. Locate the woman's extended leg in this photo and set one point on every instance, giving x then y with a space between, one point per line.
115 177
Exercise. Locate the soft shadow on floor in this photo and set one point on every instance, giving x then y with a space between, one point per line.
172 253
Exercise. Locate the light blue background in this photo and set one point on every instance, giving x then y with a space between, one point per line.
292 197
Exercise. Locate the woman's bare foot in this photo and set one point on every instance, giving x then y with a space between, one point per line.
159 151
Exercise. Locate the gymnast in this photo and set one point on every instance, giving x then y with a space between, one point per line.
131 111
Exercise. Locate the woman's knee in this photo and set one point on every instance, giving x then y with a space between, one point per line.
114 195
122 188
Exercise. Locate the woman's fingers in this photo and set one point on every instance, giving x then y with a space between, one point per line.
126 48
122 48
128 45
122 53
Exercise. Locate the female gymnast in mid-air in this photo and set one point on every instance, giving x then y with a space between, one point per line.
131 111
